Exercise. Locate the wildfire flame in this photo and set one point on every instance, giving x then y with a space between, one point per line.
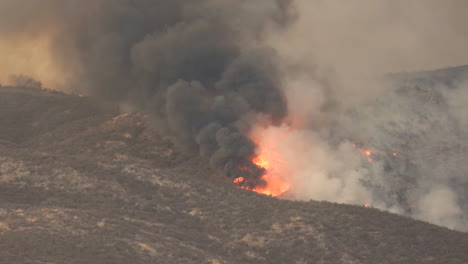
367 152
270 160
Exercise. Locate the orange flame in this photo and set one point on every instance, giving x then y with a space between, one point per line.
367 152
269 159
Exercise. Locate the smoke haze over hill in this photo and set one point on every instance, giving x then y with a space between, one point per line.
211 71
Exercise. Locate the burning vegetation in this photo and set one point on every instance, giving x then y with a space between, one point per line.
275 169
273 180
210 73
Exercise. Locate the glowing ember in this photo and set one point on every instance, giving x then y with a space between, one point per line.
239 180
274 166
366 152
81 95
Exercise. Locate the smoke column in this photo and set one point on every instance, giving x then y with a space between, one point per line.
198 67
210 71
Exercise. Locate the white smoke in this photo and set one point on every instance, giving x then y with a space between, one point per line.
440 206
417 140
336 59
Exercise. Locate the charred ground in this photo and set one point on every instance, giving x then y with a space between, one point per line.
81 182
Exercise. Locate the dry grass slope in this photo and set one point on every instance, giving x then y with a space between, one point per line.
82 183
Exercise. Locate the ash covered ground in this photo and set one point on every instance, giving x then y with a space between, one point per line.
81 182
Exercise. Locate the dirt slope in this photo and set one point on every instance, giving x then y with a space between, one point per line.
82 183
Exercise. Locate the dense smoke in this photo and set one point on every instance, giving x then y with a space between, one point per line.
337 59
416 135
210 71
197 66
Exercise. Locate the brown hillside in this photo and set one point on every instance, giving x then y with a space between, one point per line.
82 183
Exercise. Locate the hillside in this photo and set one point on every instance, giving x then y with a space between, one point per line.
81 182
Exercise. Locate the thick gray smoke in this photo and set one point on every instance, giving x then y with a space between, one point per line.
209 70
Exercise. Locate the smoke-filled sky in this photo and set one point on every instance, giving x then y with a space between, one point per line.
210 71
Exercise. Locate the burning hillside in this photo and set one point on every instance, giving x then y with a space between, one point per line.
274 180
86 183
281 97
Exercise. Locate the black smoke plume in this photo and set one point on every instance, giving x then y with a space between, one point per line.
197 66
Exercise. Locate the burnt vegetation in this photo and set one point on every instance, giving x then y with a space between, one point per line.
81 182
